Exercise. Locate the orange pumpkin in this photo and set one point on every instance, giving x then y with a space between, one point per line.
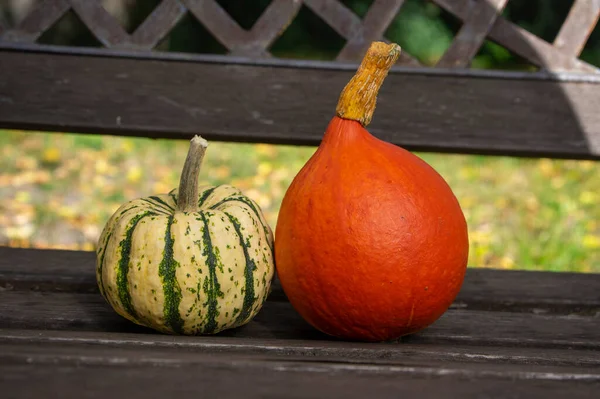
371 243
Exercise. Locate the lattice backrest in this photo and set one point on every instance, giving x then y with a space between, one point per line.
481 20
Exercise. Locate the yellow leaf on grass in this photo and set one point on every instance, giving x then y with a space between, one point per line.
588 198
507 262
51 155
467 202
23 196
501 202
101 166
266 149
161 187
546 166
532 203
264 168
591 241
127 146
222 172
480 237
134 174
67 212
88 246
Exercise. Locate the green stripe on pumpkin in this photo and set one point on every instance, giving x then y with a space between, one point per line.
110 226
123 266
126 210
158 207
101 262
248 272
210 285
246 200
159 200
173 196
171 290
205 196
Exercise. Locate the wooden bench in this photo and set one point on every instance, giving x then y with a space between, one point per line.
508 334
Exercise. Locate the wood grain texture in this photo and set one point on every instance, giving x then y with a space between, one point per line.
252 43
278 320
101 23
236 379
393 353
521 42
158 24
216 20
472 34
415 363
270 104
504 290
578 27
480 21
359 33
276 18
337 16
36 22
374 24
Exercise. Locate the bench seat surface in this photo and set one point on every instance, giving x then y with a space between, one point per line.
508 334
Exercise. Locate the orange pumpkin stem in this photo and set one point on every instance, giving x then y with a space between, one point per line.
357 101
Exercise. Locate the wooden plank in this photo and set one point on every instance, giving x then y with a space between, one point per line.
430 112
158 24
47 270
58 364
243 379
40 19
483 289
216 20
106 28
272 22
472 34
337 15
524 43
423 353
84 354
578 27
374 24
89 312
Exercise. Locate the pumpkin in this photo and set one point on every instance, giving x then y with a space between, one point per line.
197 260
370 244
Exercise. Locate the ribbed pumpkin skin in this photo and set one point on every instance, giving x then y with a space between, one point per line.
187 273
371 243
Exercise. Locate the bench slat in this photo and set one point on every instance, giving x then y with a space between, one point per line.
158 372
89 312
508 290
430 353
242 380
415 363
279 104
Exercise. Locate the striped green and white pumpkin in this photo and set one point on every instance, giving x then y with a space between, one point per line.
187 268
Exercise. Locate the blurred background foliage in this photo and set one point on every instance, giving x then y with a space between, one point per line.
57 190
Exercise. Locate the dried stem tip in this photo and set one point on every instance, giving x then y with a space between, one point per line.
187 200
357 101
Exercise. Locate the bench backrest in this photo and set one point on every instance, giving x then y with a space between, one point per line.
126 88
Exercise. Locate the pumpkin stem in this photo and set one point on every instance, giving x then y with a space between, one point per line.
187 201
357 101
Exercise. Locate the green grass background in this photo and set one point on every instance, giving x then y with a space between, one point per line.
57 190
